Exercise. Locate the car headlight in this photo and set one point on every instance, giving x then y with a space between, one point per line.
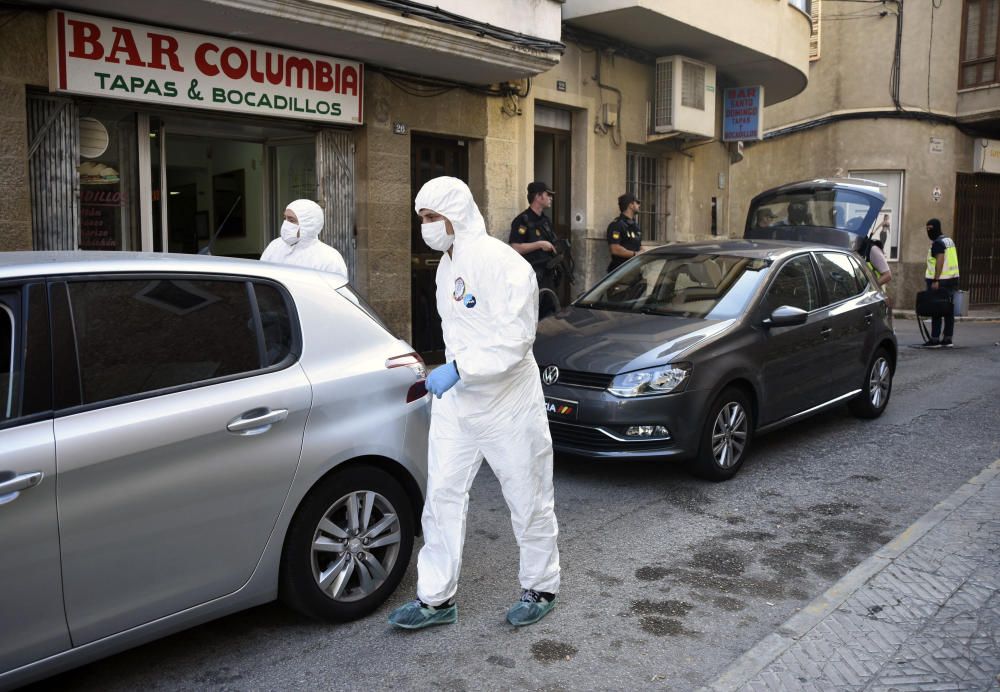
659 380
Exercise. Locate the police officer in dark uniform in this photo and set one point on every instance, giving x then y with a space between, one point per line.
531 234
624 234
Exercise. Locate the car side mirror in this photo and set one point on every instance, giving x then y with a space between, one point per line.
786 316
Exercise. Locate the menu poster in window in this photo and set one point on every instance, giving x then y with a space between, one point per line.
101 200
882 230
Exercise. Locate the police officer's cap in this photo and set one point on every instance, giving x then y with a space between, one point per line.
538 186
626 200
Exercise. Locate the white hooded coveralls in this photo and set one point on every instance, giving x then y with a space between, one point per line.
310 251
487 296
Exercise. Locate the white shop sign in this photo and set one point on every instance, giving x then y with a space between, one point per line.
986 156
103 57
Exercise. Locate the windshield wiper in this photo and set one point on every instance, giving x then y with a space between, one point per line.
598 306
658 311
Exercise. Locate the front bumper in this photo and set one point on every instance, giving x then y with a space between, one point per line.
597 428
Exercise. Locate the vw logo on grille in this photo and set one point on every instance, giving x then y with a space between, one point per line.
550 374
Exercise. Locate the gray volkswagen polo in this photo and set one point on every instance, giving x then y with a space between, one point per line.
183 437
689 350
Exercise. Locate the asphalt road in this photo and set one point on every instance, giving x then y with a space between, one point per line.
666 579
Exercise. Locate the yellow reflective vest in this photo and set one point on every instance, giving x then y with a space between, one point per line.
950 270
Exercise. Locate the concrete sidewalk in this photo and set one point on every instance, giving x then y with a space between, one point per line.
987 314
922 613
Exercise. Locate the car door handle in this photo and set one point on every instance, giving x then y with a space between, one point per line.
825 331
868 317
256 421
12 487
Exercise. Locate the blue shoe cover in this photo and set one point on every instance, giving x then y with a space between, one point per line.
416 615
530 609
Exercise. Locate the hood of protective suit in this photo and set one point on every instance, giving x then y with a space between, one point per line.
452 199
310 217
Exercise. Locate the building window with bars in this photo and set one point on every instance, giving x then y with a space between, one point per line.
980 42
646 178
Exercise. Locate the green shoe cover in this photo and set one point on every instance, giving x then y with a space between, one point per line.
529 610
415 615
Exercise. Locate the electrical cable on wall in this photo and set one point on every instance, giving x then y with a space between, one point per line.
600 127
482 29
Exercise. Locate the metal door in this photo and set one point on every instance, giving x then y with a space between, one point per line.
977 236
53 157
335 173
430 157
553 165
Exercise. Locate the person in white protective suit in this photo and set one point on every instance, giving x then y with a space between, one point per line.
299 243
489 405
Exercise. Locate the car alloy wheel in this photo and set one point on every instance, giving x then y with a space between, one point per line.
879 381
729 435
348 545
726 433
876 388
355 545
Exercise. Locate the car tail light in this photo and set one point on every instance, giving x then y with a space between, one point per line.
414 362
418 390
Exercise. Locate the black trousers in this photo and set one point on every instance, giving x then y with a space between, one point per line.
950 285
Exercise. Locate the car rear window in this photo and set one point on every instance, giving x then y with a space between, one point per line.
136 336
276 323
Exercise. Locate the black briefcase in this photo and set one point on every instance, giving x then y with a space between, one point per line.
934 303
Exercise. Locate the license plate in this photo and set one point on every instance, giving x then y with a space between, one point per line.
560 409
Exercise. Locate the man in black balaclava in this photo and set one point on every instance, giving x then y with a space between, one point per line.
942 273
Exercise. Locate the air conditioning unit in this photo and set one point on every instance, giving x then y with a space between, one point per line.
684 101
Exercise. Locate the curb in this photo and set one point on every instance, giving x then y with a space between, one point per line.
912 315
751 663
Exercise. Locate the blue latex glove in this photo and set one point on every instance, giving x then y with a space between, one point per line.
442 379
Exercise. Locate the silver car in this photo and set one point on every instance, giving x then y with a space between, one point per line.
182 437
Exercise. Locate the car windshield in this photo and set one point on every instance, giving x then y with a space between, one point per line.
709 286
846 210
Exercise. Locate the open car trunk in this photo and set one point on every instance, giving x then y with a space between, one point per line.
835 211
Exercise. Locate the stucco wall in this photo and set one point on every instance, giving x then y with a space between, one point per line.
22 62
384 197
853 74
867 145
599 156
855 61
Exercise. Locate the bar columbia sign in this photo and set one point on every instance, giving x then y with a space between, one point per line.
101 57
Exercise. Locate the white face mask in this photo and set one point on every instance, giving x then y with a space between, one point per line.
436 236
290 232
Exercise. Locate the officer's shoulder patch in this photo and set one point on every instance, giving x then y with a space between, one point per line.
522 230
616 235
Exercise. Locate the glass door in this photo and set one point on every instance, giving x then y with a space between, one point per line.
218 187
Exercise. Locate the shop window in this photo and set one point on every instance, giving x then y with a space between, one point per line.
108 213
889 221
646 178
980 43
